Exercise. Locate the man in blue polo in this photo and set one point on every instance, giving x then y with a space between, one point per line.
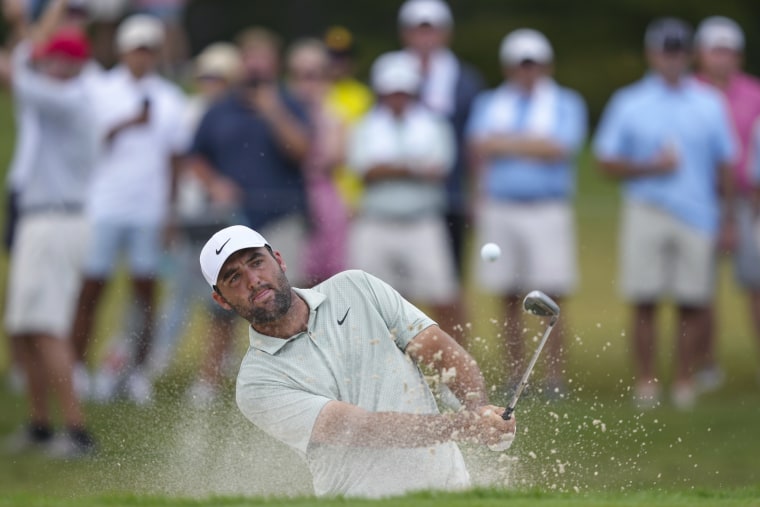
524 136
668 137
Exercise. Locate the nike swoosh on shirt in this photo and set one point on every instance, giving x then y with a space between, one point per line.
219 250
341 321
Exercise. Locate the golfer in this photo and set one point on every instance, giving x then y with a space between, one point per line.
334 372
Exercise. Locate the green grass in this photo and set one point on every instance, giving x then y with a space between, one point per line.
592 448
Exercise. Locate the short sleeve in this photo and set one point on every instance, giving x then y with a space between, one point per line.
608 142
726 143
573 122
475 124
286 412
404 320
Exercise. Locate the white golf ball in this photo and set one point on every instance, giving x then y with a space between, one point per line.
490 252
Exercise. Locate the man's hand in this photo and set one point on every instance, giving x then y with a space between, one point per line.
666 161
485 426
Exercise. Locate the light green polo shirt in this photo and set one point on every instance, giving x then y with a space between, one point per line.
353 351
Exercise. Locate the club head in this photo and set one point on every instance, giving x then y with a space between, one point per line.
538 303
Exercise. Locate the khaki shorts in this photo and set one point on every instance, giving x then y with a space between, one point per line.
663 257
537 242
45 274
413 256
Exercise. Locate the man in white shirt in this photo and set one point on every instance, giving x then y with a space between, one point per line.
51 233
333 372
141 119
404 152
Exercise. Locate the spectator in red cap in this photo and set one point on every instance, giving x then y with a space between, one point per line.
45 274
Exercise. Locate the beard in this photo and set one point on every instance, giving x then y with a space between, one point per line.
283 298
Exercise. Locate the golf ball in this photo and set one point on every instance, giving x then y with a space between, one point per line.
490 252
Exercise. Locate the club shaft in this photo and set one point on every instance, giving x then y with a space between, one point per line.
524 381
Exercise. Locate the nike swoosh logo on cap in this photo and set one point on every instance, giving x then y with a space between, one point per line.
219 250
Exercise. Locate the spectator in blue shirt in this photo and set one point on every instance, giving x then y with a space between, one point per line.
668 137
524 136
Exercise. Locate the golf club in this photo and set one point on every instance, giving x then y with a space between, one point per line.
541 305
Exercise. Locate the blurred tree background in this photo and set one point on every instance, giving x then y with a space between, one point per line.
598 43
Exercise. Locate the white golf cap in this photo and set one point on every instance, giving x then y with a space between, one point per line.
719 32
139 31
396 72
220 59
223 244
525 44
425 12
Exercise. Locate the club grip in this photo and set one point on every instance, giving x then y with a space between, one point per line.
507 415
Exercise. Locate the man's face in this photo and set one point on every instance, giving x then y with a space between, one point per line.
719 61
260 63
252 282
527 73
425 38
670 64
141 61
60 67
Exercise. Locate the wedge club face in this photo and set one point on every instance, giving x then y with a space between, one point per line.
538 303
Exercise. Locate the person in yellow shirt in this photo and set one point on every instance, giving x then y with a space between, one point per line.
349 98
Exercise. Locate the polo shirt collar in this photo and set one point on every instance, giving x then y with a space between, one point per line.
272 345
656 81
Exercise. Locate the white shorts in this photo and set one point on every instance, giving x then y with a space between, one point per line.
413 256
537 242
661 256
45 274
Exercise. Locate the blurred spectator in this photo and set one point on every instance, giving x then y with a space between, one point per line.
525 136
307 64
21 15
349 98
670 139
248 151
404 152
141 121
170 12
448 87
217 69
720 47
105 16
52 235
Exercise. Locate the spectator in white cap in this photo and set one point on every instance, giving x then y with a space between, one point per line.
141 121
448 87
404 152
334 373
666 137
525 136
720 52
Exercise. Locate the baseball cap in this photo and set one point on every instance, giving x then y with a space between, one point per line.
425 12
222 245
719 32
139 31
525 44
68 42
668 34
339 41
220 59
395 72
